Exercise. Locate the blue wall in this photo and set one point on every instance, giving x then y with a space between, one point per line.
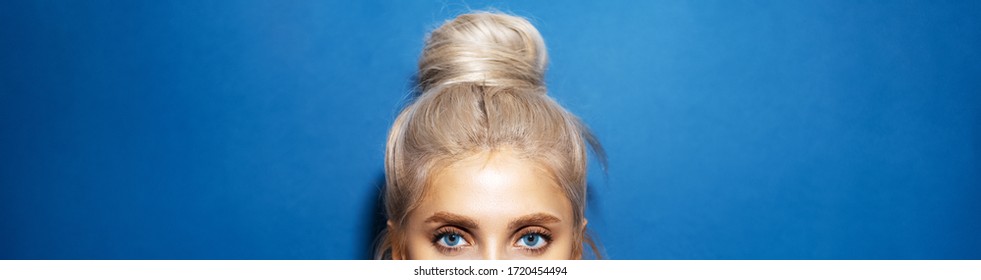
255 130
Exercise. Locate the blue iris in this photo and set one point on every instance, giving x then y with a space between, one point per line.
451 239
532 240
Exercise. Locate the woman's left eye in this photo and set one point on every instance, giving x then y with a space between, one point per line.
532 241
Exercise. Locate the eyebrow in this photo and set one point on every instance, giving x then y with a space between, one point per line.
533 219
453 219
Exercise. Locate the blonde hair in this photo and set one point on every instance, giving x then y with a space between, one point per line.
481 84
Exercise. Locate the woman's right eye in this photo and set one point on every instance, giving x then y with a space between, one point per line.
451 240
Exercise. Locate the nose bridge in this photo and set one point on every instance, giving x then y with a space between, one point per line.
493 249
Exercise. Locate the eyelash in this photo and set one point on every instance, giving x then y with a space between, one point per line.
545 235
444 231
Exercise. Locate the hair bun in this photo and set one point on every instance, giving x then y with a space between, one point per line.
483 48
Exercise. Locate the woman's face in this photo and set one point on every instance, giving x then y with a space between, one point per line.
491 206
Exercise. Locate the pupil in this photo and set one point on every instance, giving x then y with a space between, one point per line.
530 239
451 238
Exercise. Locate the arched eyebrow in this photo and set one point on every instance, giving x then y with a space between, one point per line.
533 219
452 219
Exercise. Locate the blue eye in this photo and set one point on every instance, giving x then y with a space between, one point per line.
532 241
451 240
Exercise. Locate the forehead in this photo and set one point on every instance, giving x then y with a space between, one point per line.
493 185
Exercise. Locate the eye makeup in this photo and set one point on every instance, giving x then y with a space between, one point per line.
450 240
453 235
533 240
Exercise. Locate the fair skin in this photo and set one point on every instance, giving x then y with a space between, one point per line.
492 205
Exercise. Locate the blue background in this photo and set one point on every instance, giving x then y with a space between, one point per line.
255 130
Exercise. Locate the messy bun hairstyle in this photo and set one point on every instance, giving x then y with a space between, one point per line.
481 88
